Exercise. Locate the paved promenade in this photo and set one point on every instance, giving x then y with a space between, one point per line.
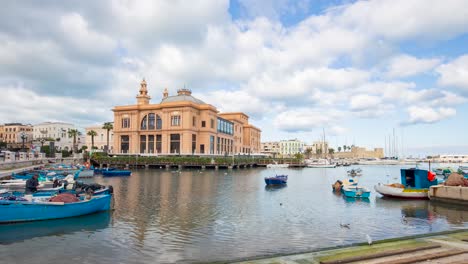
4 173
439 248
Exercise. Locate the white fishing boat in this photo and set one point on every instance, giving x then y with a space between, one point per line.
320 163
276 165
414 184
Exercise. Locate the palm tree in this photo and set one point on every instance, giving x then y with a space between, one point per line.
92 133
308 152
108 126
339 149
344 148
74 133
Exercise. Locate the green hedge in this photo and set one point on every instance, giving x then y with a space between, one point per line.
181 160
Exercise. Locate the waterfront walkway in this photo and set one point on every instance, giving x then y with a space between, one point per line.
448 247
5 173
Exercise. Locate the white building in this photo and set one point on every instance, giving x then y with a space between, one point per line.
452 158
271 148
289 148
59 132
100 140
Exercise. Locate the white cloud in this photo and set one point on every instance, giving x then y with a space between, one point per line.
455 73
403 20
305 119
422 114
405 66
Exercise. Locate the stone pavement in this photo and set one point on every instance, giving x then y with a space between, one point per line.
438 248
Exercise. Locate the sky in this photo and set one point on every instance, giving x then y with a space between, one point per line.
362 71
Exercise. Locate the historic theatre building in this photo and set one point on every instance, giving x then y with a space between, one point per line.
181 124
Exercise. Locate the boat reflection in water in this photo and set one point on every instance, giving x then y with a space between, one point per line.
356 200
272 188
11 233
417 211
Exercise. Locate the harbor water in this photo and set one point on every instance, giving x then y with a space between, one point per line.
193 216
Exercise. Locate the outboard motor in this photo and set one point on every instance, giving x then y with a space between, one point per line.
111 189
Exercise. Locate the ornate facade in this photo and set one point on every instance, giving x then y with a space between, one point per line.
181 124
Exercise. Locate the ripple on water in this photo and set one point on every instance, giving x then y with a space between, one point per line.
167 217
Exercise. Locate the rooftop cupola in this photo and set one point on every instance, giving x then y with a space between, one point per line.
184 91
143 97
165 93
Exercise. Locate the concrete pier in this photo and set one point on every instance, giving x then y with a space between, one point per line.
449 194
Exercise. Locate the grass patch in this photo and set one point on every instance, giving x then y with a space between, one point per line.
373 249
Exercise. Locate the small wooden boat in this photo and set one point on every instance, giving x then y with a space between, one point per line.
24 210
414 184
276 180
354 172
354 191
116 173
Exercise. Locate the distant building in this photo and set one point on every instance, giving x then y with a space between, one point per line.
181 124
271 148
100 140
58 132
289 148
14 134
360 153
451 158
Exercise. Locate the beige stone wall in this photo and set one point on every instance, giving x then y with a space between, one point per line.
357 152
100 140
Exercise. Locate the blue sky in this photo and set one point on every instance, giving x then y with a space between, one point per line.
357 69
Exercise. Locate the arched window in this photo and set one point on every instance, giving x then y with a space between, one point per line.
151 121
158 122
144 123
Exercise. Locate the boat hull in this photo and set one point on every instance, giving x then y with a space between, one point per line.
86 174
354 192
116 173
320 166
401 193
21 211
277 165
274 182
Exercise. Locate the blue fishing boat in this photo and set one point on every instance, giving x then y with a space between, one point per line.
354 191
22 211
276 180
99 171
110 173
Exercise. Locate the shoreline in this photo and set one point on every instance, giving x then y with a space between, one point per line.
354 249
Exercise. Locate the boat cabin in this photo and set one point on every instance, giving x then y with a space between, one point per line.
416 178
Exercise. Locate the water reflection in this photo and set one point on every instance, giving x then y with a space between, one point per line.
356 200
194 216
272 188
11 233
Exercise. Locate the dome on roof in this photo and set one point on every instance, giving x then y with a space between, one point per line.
181 98
182 95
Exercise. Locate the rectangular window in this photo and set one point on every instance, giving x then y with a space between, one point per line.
158 143
202 149
217 145
194 143
142 144
194 121
203 124
151 121
175 143
125 122
211 144
212 123
151 144
124 144
175 120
